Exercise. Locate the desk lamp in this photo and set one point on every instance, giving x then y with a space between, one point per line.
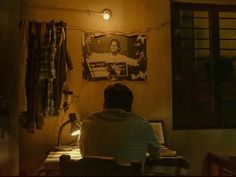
74 131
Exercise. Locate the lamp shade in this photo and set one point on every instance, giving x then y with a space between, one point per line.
75 126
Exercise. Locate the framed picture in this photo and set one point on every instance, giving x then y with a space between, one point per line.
114 57
158 128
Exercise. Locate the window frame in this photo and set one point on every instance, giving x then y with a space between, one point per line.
214 56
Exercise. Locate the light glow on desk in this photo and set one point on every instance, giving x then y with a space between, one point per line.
54 156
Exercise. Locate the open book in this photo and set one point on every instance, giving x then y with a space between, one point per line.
166 152
159 132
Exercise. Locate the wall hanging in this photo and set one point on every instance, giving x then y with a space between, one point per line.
114 57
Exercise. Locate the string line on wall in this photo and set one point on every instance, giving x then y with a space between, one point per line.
125 32
99 32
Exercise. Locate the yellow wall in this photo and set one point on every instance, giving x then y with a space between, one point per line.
153 97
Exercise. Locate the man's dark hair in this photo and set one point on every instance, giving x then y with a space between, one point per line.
118 96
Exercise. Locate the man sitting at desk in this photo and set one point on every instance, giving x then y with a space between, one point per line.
116 132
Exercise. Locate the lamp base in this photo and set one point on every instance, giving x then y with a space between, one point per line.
63 148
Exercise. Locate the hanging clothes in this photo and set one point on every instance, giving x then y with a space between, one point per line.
62 64
47 66
33 93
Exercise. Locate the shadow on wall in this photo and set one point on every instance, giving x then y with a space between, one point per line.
8 147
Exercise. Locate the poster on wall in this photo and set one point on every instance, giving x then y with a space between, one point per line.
114 57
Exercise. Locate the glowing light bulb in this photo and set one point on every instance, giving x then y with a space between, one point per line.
106 14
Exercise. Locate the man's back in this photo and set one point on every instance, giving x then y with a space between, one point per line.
119 134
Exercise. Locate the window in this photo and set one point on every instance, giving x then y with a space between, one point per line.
203 65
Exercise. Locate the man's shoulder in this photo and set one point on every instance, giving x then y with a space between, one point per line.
112 114
138 118
89 117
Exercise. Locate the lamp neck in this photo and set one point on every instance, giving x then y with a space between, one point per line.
60 130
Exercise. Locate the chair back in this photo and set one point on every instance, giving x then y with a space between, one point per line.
96 167
166 166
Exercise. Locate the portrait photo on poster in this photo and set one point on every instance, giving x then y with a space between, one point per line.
114 57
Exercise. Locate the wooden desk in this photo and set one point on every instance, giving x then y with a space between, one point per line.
50 166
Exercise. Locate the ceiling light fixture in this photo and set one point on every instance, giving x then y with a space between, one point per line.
106 14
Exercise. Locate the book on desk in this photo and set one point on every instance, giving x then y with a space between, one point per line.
166 152
158 127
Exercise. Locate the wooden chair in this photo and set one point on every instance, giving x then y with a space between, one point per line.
96 167
219 165
172 166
